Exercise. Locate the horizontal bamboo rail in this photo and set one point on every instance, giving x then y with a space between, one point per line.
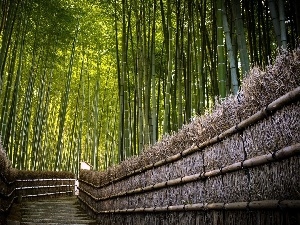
48 194
48 179
37 187
277 104
51 184
281 154
254 205
13 195
40 187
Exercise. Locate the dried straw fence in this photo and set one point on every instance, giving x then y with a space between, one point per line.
27 185
238 165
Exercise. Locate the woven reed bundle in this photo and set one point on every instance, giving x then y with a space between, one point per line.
5 164
280 180
7 175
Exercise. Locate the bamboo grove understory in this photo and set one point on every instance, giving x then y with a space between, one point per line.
99 81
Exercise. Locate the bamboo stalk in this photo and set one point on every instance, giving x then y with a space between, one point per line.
277 104
281 154
291 204
174 181
212 173
269 204
232 167
215 206
253 162
236 205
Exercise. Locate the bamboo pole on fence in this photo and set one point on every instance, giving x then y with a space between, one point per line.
254 205
283 153
277 104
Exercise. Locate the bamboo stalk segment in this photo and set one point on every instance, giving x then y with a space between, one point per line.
232 167
259 160
291 204
236 205
173 158
189 151
215 206
267 204
160 209
287 152
176 208
284 100
192 207
190 178
212 173
160 185
280 154
148 188
160 163
148 210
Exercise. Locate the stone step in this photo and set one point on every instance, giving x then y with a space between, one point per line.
54 211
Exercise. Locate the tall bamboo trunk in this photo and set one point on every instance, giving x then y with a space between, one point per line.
220 43
64 106
230 52
241 39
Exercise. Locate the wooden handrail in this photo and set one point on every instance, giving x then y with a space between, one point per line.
13 195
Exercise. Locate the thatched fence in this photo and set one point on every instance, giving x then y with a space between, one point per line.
237 165
28 185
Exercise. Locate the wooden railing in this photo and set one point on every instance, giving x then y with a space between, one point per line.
27 185
32 188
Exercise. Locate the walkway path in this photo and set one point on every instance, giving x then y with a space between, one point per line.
53 212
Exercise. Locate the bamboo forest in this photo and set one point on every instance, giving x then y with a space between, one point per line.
100 81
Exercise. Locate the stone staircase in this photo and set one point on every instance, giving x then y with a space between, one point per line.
51 211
